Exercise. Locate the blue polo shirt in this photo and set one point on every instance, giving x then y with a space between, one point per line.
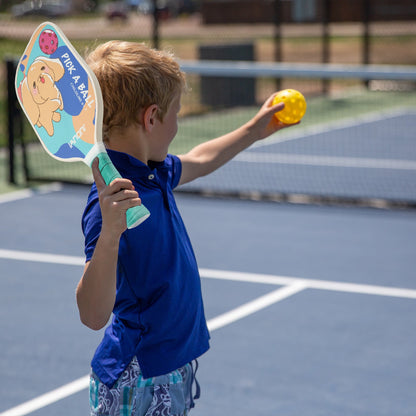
158 314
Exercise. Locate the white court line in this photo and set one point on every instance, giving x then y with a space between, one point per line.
27 193
316 160
254 306
41 257
213 324
235 276
309 283
49 398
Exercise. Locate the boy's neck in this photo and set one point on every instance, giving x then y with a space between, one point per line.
130 140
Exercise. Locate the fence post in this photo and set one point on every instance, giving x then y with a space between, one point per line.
11 110
155 34
277 36
326 18
366 35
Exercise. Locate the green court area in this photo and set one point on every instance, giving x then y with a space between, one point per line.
195 129
321 110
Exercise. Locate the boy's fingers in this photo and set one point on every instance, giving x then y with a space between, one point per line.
116 185
277 107
119 184
269 101
274 108
129 203
125 195
99 180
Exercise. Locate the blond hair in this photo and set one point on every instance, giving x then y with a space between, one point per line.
132 77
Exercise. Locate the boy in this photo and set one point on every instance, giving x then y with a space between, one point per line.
147 276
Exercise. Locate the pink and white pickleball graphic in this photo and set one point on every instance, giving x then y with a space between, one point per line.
48 42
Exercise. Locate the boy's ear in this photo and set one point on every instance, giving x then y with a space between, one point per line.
150 117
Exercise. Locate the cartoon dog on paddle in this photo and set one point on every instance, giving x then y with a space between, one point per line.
40 96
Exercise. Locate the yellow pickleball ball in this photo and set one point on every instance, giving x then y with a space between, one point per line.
295 106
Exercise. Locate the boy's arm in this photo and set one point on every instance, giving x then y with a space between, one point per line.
209 156
96 291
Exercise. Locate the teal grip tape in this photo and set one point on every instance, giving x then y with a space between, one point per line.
135 215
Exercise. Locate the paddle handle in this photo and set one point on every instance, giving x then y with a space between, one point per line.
135 215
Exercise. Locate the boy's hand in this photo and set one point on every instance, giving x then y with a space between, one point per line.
115 199
265 123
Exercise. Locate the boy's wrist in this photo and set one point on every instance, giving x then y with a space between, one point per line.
110 238
251 131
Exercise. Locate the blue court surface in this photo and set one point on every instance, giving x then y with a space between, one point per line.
372 156
312 309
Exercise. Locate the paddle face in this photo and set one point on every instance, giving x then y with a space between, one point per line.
59 95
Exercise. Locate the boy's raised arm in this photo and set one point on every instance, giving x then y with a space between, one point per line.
209 156
96 290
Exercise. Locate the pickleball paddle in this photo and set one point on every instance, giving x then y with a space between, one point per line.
61 97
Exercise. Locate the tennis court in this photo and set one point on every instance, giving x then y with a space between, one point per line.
311 308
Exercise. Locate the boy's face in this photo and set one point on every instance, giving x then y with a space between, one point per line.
165 131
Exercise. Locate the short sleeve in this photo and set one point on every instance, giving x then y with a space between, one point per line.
91 223
175 169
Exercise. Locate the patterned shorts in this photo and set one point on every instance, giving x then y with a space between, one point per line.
132 395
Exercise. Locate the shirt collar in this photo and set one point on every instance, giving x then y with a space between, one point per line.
130 167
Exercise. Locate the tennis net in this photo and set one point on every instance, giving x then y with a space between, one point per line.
356 143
